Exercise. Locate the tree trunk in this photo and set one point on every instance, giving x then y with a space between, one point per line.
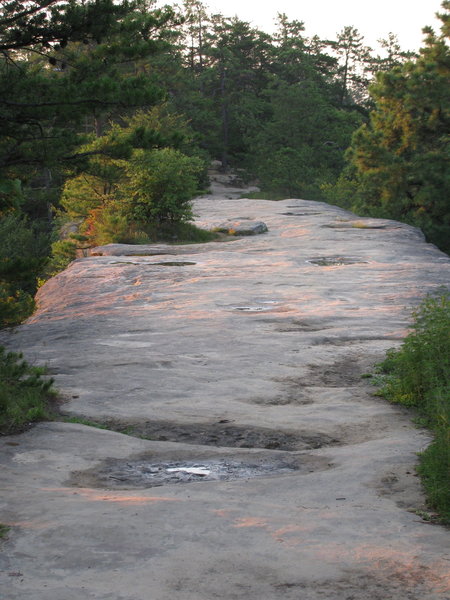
225 121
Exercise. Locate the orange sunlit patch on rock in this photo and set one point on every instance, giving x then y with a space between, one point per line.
250 522
121 498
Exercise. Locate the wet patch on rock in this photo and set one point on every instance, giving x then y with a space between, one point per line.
301 325
170 464
334 261
180 263
300 214
146 473
173 263
252 308
343 373
351 225
257 305
293 393
351 341
399 484
225 434
295 398
376 579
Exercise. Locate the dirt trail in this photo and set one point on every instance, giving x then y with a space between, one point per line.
270 470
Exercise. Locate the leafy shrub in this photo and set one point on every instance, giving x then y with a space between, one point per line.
160 185
131 183
24 394
187 233
63 253
85 193
107 226
418 375
15 305
4 529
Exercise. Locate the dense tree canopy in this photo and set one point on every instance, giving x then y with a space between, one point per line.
63 62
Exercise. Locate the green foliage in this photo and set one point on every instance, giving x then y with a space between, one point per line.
160 185
65 61
434 468
24 393
344 191
15 305
4 529
84 193
355 66
422 366
418 375
83 421
23 253
180 233
138 178
109 226
63 253
301 147
10 194
265 196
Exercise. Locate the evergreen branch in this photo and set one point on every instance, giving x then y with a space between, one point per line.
27 13
61 103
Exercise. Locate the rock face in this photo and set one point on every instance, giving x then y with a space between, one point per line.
233 227
278 474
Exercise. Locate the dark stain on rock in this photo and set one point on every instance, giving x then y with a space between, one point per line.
334 261
223 434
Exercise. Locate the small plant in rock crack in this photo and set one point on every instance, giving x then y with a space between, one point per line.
3 530
24 393
84 421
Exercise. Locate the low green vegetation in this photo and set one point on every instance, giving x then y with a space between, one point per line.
84 421
24 393
131 191
3 530
264 195
418 376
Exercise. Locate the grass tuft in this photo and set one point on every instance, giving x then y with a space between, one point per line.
418 376
275 196
84 421
4 529
24 393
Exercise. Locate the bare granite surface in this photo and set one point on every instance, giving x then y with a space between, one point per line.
271 470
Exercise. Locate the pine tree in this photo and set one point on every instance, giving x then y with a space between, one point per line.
355 62
401 159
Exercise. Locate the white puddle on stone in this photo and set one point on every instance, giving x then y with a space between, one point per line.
145 474
259 306
202 471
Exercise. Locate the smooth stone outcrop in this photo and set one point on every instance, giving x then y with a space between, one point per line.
247 351
240 227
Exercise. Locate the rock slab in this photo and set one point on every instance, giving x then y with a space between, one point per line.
247 351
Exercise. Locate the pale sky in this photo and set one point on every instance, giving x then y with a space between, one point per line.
374 19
